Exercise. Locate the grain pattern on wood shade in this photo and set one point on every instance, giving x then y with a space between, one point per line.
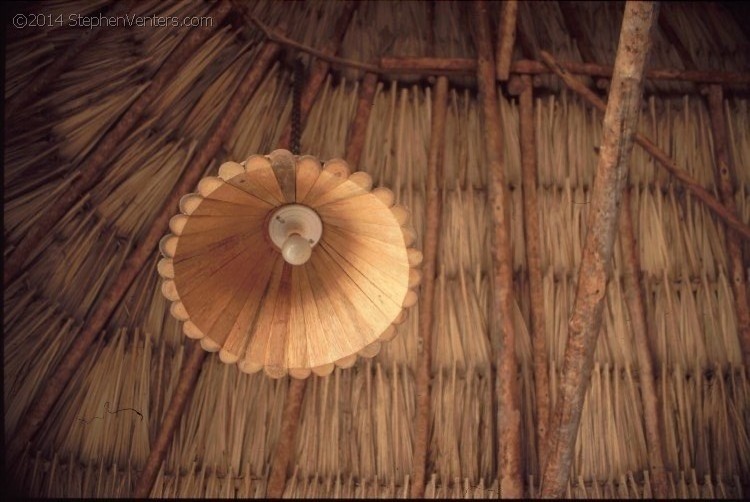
233 290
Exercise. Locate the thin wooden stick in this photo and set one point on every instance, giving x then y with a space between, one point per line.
428 65
725 176
92 170
506 39
287 435
620 122
426 314
323 55
644 351
534 264
688 181
358 130
138 258
182 393
510 477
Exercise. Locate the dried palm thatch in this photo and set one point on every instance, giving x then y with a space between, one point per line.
356 434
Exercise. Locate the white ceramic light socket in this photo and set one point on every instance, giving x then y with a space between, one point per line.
295 229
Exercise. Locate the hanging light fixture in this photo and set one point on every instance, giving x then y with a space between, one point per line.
285 265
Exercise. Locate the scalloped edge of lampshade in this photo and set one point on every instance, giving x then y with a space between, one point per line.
338 168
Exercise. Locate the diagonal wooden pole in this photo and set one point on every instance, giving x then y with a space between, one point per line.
140 255
619 127
182 394
633 295
510 476
725 175
92 169
426 313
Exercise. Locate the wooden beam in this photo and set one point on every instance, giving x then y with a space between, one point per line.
430 246
462 66
620 122
357 133
532 234
142 253
93 168
293 404
725 174
506 38
683 176
510 467
643 350
287 436
183 392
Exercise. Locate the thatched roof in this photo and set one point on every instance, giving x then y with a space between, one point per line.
107 127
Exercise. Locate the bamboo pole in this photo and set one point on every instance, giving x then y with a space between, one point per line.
141 254
41 81
725 175
683 176
92 169
293 404
182 394
643 348
534 263
510 479
620 122
426 314
506 39
358 130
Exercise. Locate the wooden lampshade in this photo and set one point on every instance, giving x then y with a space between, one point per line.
345 277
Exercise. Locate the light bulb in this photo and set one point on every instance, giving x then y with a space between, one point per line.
296 250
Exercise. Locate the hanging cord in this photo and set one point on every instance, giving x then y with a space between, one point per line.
299 75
